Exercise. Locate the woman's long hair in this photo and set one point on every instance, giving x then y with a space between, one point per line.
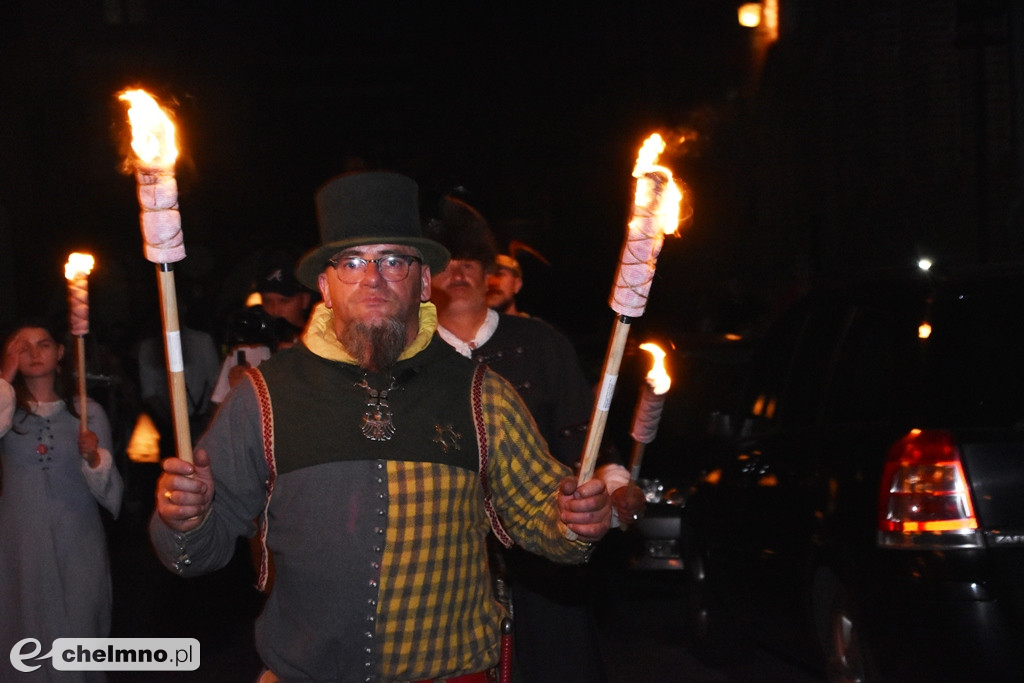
64 385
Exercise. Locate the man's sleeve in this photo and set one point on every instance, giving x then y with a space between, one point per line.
524 476
235 446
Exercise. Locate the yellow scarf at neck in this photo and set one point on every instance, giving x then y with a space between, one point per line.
319 336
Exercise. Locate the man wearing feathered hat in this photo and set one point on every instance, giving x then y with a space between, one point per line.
505 278
377 460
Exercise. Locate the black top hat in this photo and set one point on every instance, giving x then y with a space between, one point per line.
368 208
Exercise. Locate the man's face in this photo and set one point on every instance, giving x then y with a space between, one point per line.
291 308
462 286
372 300
502 287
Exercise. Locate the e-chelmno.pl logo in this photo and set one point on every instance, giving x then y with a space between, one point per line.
109 654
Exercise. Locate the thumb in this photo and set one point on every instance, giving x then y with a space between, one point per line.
200 459
567 487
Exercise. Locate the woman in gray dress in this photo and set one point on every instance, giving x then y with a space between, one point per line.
54 567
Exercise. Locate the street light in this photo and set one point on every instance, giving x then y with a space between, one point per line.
749 14
763 16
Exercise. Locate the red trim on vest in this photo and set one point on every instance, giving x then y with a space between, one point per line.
267 428
481 437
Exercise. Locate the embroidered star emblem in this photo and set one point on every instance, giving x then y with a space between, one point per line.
447 437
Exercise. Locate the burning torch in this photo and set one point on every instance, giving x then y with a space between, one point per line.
655 213
164 245
649 407
77 270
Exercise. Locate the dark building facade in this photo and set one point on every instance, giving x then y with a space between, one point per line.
885 131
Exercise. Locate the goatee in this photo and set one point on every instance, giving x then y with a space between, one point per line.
375 347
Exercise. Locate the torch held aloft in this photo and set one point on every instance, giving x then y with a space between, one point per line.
76 270
633 279
153 143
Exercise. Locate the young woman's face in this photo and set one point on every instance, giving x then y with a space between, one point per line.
38 354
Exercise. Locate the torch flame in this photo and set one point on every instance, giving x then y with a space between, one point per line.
78 266
152 130
648 155
657 378
646 163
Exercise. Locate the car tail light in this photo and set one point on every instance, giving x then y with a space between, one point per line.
924 501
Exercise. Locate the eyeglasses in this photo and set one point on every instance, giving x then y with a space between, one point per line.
393 267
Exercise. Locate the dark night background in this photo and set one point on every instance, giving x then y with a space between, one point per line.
864 134
867 134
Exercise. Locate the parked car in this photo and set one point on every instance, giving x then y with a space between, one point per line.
869 517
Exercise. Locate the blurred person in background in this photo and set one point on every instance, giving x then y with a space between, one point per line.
505 278
260 329
54 476
284 297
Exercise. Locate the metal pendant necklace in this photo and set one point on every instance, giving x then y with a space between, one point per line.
377 424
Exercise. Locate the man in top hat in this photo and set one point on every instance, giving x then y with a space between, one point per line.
377 460
555 634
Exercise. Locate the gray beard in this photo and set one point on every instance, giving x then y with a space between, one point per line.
375 347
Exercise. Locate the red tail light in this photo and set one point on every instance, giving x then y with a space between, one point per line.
924 501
